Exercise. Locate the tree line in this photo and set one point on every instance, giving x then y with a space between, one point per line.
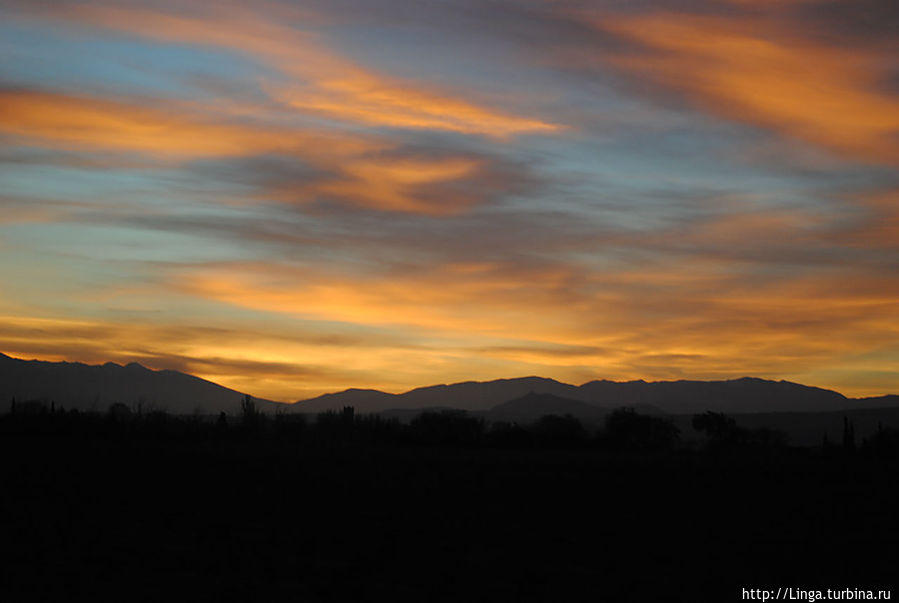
623 429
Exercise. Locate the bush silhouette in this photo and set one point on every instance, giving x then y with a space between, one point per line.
722 431
884 443
447 427
250 416
627 429
503 434
555 430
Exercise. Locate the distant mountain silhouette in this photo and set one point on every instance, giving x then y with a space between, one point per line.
746 395
469 395
86 387
532 406
74 385
734 396
889 401
363 400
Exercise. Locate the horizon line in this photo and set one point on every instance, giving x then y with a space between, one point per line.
445 384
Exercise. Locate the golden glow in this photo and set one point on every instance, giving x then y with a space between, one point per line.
393 184
386 184
614 324
751 70
445 300
369 101
83 123
485 321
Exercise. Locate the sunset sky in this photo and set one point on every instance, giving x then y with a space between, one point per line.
289 198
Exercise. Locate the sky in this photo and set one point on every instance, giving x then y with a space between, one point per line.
296 197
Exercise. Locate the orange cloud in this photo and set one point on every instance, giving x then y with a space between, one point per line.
445 298
486 320
365 99
352 168
401 185
701 321
360 176
761 72
325 82
19 213
880 229
94 124
284 362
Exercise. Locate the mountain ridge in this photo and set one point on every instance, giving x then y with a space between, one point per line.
76 385
86 387
683 396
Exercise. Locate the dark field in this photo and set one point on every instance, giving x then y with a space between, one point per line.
198 514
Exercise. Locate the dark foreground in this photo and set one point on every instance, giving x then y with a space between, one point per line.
236 517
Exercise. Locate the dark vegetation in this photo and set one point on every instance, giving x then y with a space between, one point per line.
345 507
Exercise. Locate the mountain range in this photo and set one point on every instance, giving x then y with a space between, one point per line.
515 396
95 387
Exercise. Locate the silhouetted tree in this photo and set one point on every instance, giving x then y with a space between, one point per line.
447 427
328 420
118 412
221 424
764 437
248 412
715 424
722 431
375 429
509 435
724 434
348 416
625 428
848 434
884 443
555 430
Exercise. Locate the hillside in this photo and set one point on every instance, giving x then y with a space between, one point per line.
469 395
533 406
96 387
746 395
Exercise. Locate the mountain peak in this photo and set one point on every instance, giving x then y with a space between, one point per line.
94 387
742 395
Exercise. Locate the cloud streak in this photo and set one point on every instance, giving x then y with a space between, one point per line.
319 80
766 71
357 170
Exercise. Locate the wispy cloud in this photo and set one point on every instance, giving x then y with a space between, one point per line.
88 123
318 79
357 170
768 71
